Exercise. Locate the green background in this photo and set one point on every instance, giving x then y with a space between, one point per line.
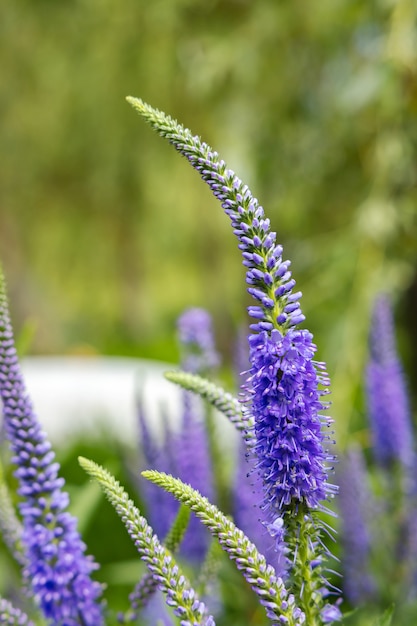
106 235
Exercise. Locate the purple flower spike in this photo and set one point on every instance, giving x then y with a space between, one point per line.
285 385
161 509
57 568
355 510
194 467
196 339
388 406
285 382
286 403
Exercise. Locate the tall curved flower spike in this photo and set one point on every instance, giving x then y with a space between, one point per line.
57 568
285 384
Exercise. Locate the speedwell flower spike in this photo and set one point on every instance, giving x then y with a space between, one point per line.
57 568
160 562
279 604
388 404
355 507
285 384
196 341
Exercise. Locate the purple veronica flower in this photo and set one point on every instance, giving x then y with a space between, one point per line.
286 385
355 509
184 454
161 509
196 339
194 468
192 446
285 382
388 406
57 568
286 403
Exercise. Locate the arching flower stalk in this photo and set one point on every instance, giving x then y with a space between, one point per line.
280 605
285 384
56 567
235 411
160 562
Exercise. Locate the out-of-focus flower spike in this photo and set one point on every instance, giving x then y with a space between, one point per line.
57 568
241 357
387 397
236 412
11 616
270 589
160 562
161 511
195 332
208 583
146 440
194 465
355 510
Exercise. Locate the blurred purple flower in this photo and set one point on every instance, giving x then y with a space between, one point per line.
196 340
387 398
161 507
248 514
194 467
355 509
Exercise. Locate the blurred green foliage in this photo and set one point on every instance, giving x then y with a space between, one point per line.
106 235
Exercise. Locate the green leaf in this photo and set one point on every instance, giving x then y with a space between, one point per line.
386 618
